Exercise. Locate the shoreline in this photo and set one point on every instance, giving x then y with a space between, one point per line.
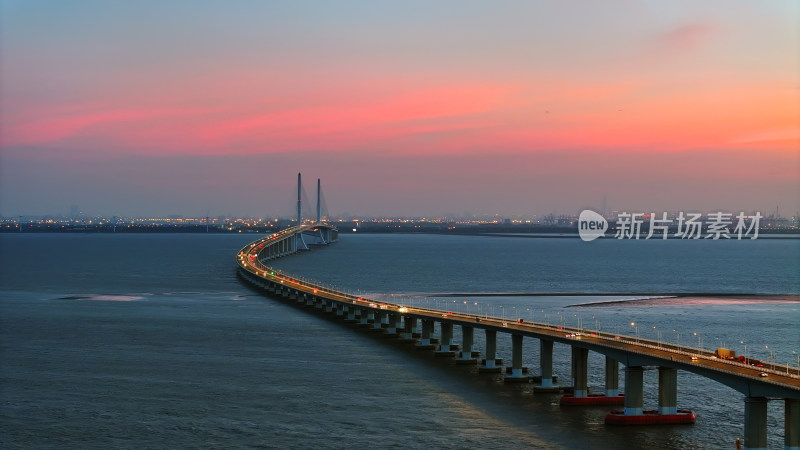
693 300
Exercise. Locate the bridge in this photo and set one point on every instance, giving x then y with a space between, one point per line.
417 326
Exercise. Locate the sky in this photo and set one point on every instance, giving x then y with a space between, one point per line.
413 108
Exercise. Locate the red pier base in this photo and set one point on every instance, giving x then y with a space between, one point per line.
651 417
592 399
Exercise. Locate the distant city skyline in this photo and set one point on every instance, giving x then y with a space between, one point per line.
403 110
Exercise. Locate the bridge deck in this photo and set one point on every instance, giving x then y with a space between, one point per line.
780 382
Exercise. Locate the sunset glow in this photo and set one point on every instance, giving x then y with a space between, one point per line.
418 82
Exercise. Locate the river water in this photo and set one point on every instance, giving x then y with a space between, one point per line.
151 341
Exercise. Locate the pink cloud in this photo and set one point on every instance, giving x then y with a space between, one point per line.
684 38
402 116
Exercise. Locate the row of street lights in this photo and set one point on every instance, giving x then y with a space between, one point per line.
490 309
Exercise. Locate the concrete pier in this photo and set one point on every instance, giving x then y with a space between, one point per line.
667 390
634 391
377 324
755 423
425 335
465 356
546 367
392 324
791 436
363 317
516 375
409 324
612 377
580 360
445 345
581 395
490 363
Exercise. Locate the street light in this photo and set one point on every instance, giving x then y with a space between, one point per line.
745 351
772 356
633 324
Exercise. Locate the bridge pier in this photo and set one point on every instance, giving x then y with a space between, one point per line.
409 324
351 314
392 324
491 363
667 390
546 367
580 366
465 355
634 390
634 413
425 339
445 344
791 425
612 377
581 395
516 375
755 423
377 324
363 318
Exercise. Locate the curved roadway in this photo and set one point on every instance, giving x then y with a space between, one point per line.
774 381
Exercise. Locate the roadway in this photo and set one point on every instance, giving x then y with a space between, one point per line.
774 380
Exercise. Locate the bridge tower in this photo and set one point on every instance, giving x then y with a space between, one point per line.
299 199
319 201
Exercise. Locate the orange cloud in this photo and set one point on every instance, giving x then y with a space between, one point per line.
684 38
423 118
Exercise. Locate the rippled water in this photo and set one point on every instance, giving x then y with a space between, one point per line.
151 341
